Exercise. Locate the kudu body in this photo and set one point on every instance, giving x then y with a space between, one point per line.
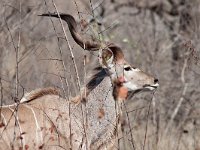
44 120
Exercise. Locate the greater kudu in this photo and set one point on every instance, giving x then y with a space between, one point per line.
42 119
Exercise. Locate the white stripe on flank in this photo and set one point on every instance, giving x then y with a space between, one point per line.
4 119
5 130
38 129
5 106
20 129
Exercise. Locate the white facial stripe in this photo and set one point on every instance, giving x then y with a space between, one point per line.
126 66
137 69
130 86
130 73
157 85
150 88
153 87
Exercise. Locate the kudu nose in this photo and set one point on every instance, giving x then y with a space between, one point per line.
156 81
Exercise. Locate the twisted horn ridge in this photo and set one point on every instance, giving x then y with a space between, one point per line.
84 43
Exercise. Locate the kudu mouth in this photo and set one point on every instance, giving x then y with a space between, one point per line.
151 87
146 87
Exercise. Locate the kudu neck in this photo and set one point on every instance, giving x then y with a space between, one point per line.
101 110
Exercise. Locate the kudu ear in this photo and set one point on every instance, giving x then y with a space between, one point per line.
106 58
118 55
110 56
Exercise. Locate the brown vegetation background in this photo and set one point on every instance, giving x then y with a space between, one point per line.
159 36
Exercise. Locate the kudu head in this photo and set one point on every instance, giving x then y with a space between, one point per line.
111 59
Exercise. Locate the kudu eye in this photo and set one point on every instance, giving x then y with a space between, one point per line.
127 68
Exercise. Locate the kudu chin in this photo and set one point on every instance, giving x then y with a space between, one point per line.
44 120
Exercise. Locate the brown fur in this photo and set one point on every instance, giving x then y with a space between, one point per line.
40 93
119 91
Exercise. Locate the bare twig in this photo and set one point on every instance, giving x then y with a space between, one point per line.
17 75
70 48
77 9
65 77
146 128
17 53
75 67
181 98
91 6
129 125
136 109
1 101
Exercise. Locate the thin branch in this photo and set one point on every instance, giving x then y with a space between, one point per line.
181 98
92 8
70 48
17 54
1 101
130 129
146 128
